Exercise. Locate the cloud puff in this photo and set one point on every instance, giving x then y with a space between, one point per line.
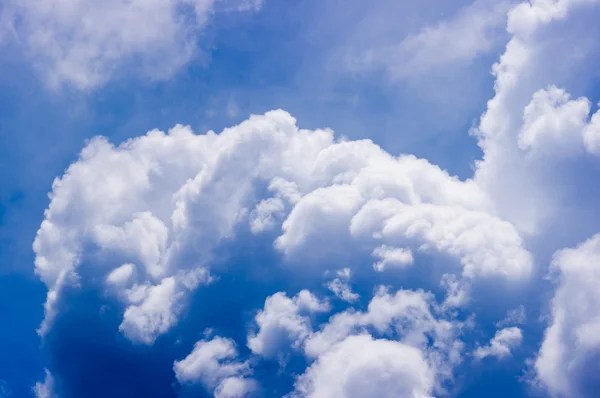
402 345
408 317
391 257
83 42
284 321
571 343
45 389
163 202
361 366
502 344
213 364
339 286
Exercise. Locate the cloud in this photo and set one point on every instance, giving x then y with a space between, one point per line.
163 203
398 345
516 316
361 366
457 291
339 286
569 352
212 363
502 344
408 317
284 321
144 222
391 257
530 122
474 30
83 43
45 389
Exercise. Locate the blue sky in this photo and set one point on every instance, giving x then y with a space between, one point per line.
410 211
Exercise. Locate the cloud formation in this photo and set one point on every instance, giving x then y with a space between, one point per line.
161 199
146 218
82 43
213 364
502 344
45 389
569 353
361 366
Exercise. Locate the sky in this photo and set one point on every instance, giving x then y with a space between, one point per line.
265 198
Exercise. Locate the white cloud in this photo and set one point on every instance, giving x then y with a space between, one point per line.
84 42
457 291
571 342
213 364
552 119
342 290
516 316
45 389
406 316
474 30
360 366
529 121
284 321
502 344
162 202
391 257
591 134
121 275
397 345
153 311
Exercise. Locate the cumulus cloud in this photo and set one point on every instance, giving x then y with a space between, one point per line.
571 344
45 389
502 344
390 257
284 321
163 202
213 363
82 43
147 215
408 317
361 366
530 126
553 122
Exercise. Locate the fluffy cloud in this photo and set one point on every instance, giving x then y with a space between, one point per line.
284 321
163 202
553 122
571 343
147 216
45 389
361 366
502 344
339 286
213 364
408 318
83 42
391 257
529 121
402 345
